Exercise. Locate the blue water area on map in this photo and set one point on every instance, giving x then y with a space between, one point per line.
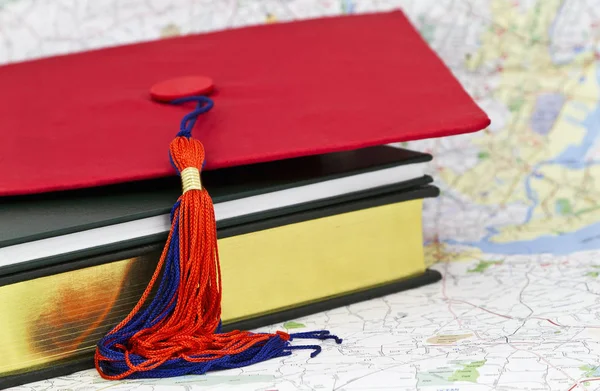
348 6
593 371
587 238
546 110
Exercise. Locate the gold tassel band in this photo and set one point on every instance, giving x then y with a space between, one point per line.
190 179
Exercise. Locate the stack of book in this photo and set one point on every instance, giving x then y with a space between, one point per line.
314 211
295 237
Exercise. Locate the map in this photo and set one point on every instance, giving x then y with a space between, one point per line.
515 231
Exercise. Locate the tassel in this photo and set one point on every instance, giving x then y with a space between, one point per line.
179 331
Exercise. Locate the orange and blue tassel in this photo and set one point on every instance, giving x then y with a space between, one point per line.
179 331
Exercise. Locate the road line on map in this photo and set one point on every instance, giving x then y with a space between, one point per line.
510 317
481 308
444 277
583 381
542 359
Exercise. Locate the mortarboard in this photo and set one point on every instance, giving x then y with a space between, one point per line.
276 92
280 91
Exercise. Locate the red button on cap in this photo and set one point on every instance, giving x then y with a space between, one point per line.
181 87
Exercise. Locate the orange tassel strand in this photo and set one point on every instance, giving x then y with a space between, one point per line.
178 331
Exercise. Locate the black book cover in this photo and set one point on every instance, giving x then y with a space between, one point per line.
28 218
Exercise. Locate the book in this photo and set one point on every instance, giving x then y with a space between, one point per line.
274 269
50 228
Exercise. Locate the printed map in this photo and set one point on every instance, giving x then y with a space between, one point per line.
515 232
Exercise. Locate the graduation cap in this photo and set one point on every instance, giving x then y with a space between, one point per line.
207 101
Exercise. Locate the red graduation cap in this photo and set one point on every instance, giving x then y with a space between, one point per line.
279 91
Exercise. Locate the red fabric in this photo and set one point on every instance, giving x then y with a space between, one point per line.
281 90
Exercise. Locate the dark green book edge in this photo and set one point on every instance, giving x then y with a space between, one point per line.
72 365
